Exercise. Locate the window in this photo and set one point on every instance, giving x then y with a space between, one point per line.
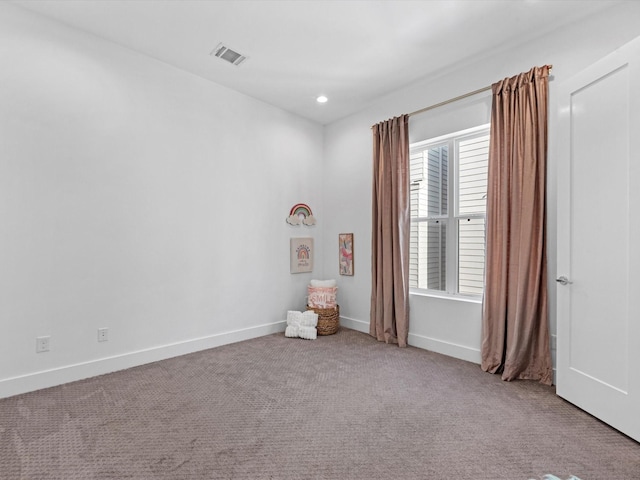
448 205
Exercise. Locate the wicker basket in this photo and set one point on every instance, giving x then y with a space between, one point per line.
328 319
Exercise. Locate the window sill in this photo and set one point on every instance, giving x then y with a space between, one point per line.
446 296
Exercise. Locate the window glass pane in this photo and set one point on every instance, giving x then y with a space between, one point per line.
414 256
471 233
429 176
473 158
436 241
437 164
427 260
417 190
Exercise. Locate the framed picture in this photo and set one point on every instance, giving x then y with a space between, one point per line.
301 251
345 253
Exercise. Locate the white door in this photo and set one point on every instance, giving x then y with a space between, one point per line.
598 337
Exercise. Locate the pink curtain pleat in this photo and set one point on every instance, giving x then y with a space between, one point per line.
515 330
389 320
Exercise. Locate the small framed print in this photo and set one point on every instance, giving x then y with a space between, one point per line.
345 253
301 250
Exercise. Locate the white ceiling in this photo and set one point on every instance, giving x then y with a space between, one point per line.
352 51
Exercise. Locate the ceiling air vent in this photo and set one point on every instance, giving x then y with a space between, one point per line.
225 53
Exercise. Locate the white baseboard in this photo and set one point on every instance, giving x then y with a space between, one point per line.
426 343
446 348
70 373
354 324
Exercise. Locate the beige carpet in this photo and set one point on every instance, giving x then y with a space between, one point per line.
340 407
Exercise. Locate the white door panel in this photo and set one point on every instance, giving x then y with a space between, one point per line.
598 356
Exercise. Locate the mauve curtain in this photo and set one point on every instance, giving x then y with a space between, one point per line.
515 330
389 320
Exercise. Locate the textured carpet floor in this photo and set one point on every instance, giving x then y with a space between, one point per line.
340 407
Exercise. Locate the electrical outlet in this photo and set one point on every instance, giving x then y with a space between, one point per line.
103 334
42 344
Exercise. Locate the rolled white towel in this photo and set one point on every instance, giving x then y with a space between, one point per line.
309 319
292 331
308 333
293 317
323 283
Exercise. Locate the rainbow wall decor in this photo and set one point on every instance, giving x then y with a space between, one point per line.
301 213
301 253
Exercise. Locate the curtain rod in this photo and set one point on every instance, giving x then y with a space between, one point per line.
451 100
455 99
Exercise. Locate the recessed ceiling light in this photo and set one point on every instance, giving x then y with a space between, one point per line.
322 99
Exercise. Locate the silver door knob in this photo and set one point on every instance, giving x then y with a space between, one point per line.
563 280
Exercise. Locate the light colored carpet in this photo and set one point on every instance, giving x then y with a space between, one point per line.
340 407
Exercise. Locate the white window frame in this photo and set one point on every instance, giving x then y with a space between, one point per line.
453 217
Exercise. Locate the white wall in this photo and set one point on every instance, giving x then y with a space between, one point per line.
141 198
448 326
